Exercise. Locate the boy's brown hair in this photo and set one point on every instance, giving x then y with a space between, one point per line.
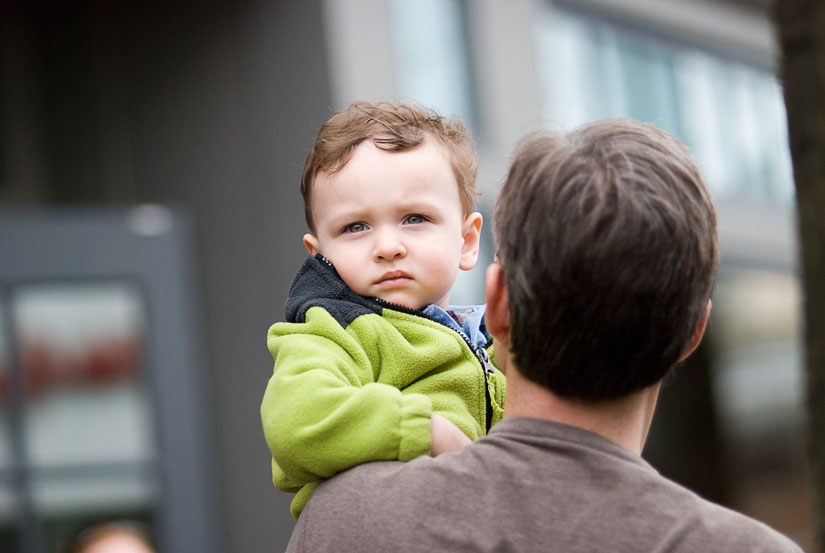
393 128
607 238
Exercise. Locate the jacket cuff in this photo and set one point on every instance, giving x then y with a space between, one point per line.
416 410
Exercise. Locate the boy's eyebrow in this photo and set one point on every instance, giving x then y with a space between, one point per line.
417 204
411 205
346 217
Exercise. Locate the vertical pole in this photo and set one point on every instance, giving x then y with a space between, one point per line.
29 527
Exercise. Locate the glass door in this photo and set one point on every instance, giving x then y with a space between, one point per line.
102 395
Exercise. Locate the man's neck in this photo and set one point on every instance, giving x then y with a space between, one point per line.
625 421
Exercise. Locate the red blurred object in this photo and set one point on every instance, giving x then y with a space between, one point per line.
99 363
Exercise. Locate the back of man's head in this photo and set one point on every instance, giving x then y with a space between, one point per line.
607 238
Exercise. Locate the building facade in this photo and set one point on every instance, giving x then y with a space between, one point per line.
150 159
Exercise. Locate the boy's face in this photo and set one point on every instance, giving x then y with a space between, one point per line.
391 223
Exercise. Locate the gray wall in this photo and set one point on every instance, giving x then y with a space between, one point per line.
212 108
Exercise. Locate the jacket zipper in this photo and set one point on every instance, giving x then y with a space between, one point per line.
481 353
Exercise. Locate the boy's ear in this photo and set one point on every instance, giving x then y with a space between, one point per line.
497 315
697 333
471 233
311 244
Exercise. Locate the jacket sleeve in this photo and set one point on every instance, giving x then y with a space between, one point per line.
322 410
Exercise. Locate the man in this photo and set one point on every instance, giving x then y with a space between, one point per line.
607 258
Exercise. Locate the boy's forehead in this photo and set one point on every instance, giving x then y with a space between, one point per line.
370 144
376 178
428 157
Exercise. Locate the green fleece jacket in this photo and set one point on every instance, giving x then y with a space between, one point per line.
356 379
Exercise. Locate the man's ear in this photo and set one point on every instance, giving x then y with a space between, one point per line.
471 233
311 244
696 338
497 315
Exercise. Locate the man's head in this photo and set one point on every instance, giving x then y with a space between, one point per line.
389 194
607 240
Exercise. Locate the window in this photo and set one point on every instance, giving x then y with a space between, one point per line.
103 395
759 394
730 114
83 428
432 63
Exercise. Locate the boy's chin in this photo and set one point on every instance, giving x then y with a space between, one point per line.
404 302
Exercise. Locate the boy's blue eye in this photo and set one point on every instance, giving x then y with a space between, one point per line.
414 220
355 227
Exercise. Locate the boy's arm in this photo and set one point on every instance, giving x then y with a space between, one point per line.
323 412
445 436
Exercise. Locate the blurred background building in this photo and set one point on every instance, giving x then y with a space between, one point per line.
150 224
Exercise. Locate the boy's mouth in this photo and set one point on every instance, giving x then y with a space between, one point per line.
393 278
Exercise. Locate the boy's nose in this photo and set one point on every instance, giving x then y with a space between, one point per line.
388 246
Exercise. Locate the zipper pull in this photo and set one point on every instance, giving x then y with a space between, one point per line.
481 353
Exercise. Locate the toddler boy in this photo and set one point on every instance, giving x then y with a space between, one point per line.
372 364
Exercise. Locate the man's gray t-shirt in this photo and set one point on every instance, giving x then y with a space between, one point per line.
530 485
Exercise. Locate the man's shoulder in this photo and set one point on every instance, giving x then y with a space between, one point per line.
373 483
701 525
359 508
532 483
726 530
